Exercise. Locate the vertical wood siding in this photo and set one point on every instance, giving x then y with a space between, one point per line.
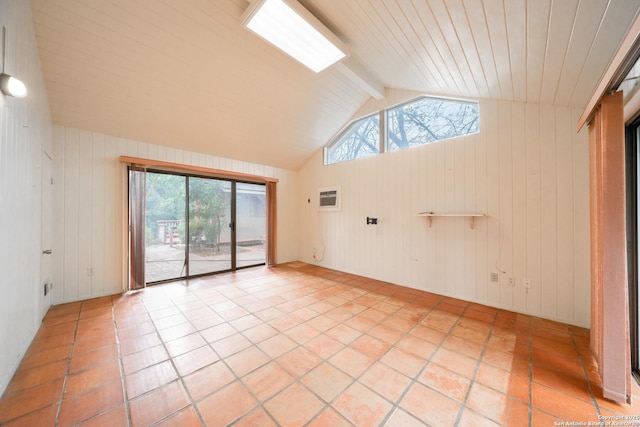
25 134
526 169
91 201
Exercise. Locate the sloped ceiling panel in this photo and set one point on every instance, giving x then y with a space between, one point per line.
184 73
542 51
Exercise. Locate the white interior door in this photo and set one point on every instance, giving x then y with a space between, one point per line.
46 264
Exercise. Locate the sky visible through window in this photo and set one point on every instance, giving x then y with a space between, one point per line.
417 122
429 119
360 139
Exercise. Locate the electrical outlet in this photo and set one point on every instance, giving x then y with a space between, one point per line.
494 277
526 283
90 271
511 281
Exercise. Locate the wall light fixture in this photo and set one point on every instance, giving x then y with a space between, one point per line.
9 85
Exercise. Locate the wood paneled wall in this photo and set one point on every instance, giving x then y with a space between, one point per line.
25 134
527 170
90 208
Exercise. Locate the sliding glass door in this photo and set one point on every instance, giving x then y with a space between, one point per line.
209 248
251 224
633 240
200 225
164 239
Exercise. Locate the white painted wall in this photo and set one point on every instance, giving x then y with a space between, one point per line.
527 169
91 202
25 133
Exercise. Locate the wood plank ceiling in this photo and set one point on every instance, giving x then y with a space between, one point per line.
185 73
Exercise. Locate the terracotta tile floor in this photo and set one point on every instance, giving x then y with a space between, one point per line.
301 345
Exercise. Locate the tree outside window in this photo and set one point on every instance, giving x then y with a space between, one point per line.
428 120
417 122
360 139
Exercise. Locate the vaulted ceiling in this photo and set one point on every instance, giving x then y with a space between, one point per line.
185 73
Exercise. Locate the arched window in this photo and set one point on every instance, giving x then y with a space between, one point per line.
359 139
426 120
419 121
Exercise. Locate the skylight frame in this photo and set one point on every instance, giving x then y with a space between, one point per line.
318 54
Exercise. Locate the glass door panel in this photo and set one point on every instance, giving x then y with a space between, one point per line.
197 226
209 233
633 240
251 224
165 213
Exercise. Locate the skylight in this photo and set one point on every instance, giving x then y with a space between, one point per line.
294 30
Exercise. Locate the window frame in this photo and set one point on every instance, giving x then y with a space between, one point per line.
388 110
383 117
337 139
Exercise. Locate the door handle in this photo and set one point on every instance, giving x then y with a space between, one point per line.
47 252
232 226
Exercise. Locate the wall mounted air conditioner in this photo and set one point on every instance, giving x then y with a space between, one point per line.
329 199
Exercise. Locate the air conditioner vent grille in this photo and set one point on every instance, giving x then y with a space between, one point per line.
329 199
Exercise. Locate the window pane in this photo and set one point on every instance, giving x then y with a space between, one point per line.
166 198
251 224
209 216
360 139
430 119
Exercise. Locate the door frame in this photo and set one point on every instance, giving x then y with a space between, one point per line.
46 234
632 167
232 224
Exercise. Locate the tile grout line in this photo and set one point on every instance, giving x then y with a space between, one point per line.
121 366
292 286
223 360
586 375
356 379
194 402
297 379
69 359
69 374
57 402
326 359
396 404
180 377
463 406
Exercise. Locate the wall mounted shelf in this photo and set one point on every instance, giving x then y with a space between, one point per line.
472 216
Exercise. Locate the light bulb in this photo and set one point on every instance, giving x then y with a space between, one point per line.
12 86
